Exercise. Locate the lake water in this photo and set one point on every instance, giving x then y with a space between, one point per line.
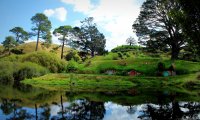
22 102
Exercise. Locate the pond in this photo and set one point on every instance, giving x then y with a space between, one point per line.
19 102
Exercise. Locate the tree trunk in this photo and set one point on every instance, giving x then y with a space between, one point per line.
92 53
36 115
38 36
63 44
175 52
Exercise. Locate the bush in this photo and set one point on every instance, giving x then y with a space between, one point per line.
29 70
72 55
6 72
72 66
120 55
48 60
15 71
114 56
125 48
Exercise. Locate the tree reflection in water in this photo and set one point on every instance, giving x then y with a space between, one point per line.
81 110
171 111
12 107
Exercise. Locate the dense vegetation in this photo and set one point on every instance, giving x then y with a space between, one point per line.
163 40
18 67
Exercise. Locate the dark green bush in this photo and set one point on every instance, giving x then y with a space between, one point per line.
72 55
48 60
120 55
72 66
15 71
29 70
125 48
180 71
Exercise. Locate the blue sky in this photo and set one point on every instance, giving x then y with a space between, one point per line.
114 18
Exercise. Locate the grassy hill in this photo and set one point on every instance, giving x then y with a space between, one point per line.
30 47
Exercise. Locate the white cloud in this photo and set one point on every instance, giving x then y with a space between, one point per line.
58 13
113 17
80 5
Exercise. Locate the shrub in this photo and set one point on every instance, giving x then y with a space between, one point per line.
48 60
72 55
29 70
15 71
125 48
114 56
6 72
72 66
120 55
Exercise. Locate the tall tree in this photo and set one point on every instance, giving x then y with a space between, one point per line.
89 37
155 23
42 26
20 34
47 39
189 18
131 41
9 42
63 33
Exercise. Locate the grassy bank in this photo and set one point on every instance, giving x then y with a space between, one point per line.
86 82
80 82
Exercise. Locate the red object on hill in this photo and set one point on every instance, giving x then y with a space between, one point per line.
133 73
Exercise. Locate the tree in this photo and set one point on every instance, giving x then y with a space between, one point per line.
189 18
63 33
156 23
48 39
9 42
42 27
20 34
89 37
131 41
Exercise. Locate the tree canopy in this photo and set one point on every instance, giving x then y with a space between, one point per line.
9 42
63 32
20 34
89 37
155 24
42 26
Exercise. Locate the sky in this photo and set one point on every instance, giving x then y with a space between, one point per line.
114 18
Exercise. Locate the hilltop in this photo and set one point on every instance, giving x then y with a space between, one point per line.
30 47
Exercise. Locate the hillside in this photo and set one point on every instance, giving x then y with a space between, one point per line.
30 47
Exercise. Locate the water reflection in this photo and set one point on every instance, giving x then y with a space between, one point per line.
90 110
39 104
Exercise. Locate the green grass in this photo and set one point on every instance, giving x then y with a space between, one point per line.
82 82
146 65
88 82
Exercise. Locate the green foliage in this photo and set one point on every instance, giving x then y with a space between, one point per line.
73 55
20 34
16 71
90 39
63 32
126 48
29 70
6 72
48 60
72 66
120 55
156 28
9 42
42 27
